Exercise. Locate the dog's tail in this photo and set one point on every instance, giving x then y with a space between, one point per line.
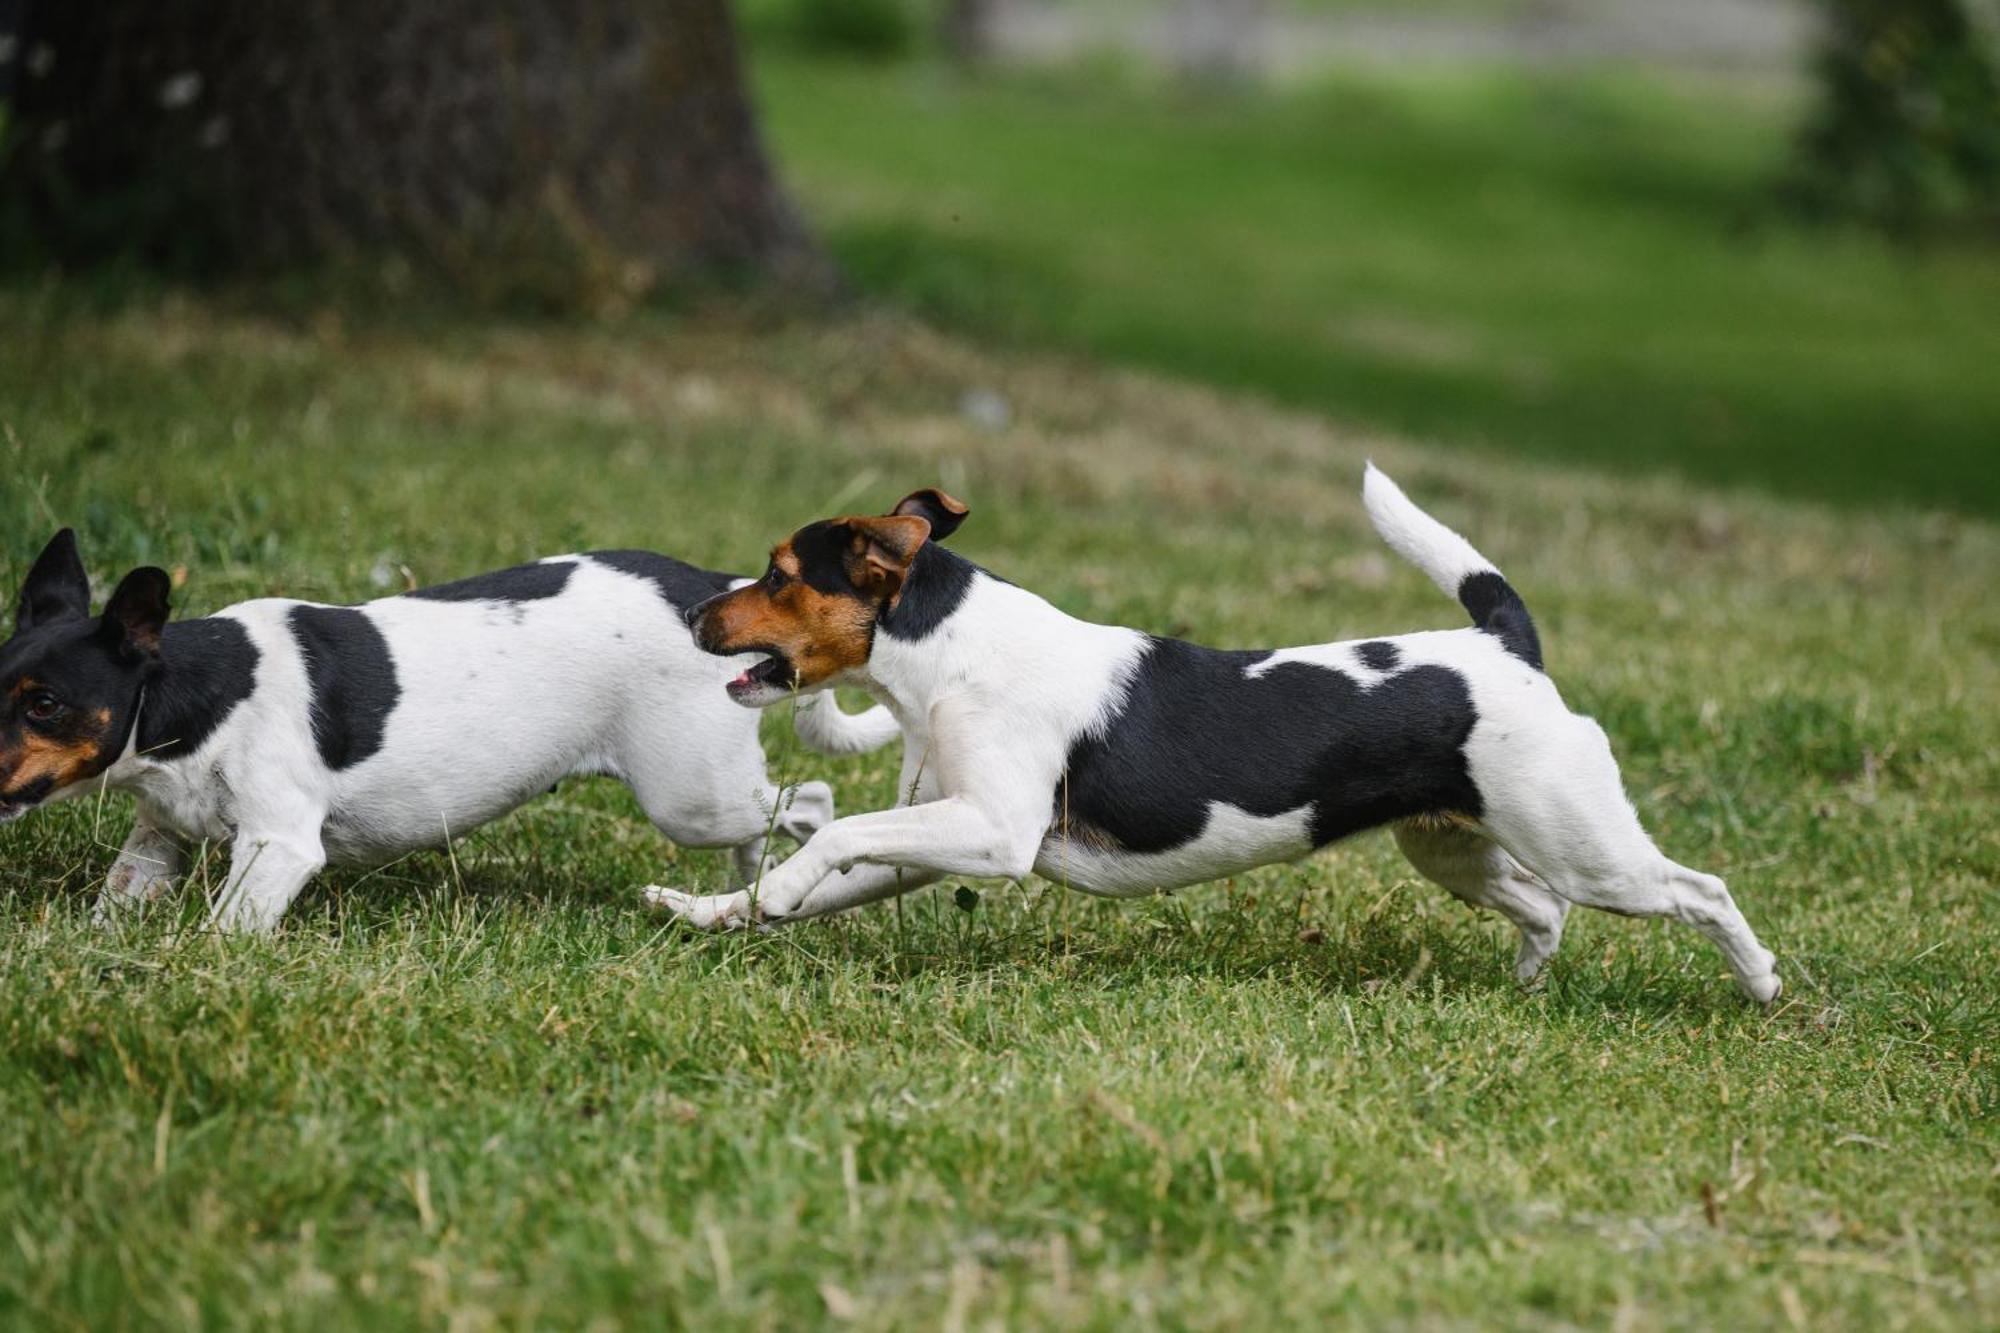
824 727
1453 565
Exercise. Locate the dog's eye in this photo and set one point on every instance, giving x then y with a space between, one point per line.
43 707
775 578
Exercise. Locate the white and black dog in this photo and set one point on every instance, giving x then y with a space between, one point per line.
307 733
1122 763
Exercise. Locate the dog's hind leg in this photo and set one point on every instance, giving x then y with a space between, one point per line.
708 788
1477 870
1565 817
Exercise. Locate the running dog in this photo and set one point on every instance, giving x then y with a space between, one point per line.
305 733
1122 763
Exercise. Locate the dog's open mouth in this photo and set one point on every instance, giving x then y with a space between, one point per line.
774 672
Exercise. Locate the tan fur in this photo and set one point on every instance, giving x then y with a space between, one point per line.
820 634
33 757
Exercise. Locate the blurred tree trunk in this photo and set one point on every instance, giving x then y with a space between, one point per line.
566 150
1219 40
1905 131
967 29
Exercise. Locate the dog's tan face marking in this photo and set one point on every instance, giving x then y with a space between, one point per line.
815 608
819 633
34 763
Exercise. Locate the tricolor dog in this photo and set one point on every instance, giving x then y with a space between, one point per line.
1121 763
306 734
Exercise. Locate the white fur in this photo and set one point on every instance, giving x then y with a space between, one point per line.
1440 553
991 702
497 702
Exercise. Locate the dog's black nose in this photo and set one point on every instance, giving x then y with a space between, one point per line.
692 614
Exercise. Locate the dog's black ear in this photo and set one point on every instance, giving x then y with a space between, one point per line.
943 513
56 586
137 612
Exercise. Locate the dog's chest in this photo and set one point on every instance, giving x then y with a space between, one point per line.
191 798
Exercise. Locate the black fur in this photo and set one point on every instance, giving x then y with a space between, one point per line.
681 585
821 550
353 681
207 667
1496 608
1379 656
522 583
1194 729
933 586
936 583
56 587
929 505
81 661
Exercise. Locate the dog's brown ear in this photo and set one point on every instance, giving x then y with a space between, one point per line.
880 551
943 513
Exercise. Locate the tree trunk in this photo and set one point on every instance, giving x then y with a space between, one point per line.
967 29
1905 132
552 147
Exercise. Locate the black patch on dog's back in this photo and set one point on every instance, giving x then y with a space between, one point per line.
1379 656
937 581
353 681
1194 729
207 667
681 585
522 583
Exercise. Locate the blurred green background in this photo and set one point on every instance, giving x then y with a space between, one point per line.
1684 311
1533 229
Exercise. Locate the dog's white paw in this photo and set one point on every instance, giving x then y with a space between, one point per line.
1764 990
727 911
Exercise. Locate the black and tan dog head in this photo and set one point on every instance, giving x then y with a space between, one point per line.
813 613
70 682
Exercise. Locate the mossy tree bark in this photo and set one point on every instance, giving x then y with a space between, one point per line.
540 144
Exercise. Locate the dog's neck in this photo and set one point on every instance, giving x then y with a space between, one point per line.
971 622
934 587
204 671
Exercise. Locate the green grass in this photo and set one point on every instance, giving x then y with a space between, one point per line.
487 1089
1580 267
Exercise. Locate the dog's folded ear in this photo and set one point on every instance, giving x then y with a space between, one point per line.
880 551
56 586
943 513
137 612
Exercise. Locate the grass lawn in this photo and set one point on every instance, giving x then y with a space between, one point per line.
1580 267
488 1089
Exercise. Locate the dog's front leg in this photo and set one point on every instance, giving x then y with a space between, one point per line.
147 866
990 824
266 872
836 892
864 858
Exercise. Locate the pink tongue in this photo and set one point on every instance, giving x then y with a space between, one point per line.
743 679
